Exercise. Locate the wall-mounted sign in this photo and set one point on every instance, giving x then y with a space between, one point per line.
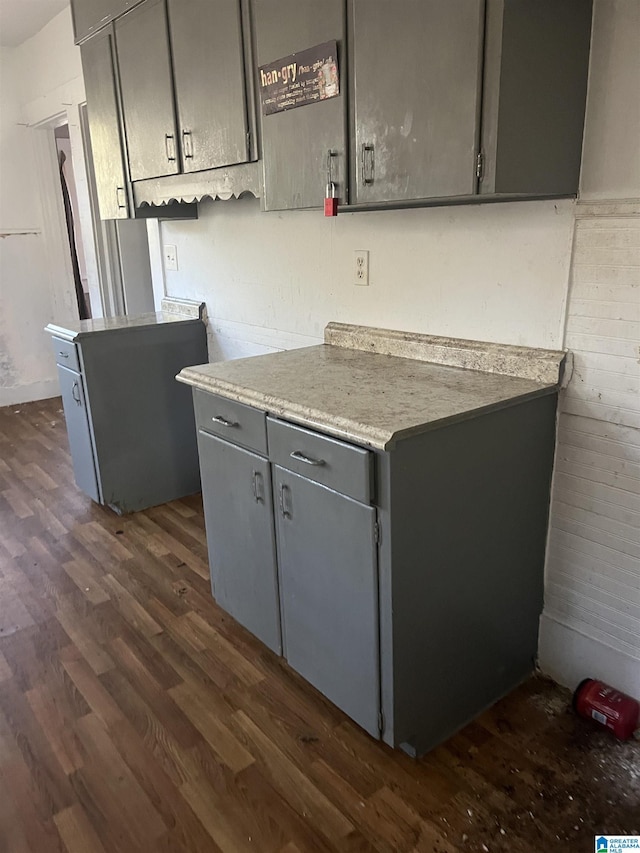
302 78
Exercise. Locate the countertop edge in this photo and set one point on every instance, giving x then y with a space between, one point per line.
342 428
75 335
61 332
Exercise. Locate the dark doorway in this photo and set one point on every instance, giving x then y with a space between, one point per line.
70 200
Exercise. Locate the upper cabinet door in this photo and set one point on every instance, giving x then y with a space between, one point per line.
104 125
144 63
416 68
209 74
296 142
535 90
90 15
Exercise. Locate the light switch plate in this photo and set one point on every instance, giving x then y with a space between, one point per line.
170 257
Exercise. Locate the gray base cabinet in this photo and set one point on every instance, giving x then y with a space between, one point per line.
328 562
79 431
409 581
238 509
131 429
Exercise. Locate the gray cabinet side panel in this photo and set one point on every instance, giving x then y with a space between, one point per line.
544 59
469 511
146 83
329 594
296 142
416 69
104 125
143 421
78 432
206 40
238 507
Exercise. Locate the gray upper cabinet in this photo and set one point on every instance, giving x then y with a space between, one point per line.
416 76
104 125
144 62
535 85
296 142
209 75
90 15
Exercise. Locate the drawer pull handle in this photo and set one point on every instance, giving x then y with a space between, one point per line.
121 198
218 419
170 147
64 354
297 454
258 487
367 164
75 387
187 144
285 503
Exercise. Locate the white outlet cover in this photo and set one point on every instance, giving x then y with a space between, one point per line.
361 267
170 257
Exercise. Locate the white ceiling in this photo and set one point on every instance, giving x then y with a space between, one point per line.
20 19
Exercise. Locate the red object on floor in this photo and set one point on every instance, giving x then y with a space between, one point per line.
609 707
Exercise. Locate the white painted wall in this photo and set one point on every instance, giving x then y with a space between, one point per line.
273 280
26 369
41 83
591 621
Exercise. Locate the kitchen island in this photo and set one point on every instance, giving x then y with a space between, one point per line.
376 511
131 429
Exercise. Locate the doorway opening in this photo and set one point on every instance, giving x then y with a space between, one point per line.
73 225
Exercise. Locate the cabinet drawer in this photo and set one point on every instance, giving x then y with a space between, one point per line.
340 466
66 354
236 422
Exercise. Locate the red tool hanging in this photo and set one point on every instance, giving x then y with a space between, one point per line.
330 196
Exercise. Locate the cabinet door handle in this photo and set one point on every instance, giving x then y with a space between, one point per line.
170 147
285 503
258 487
187 144
367 163
218 419
75 387
63 354
121 198
308 460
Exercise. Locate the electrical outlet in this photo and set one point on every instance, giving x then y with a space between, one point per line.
361 267
170 257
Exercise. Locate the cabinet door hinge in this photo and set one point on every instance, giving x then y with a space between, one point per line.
380 722
480 165
377 533
249 142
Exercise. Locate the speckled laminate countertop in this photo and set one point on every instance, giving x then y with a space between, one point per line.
173 311
366 397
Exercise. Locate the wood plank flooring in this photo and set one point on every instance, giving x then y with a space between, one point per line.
136 716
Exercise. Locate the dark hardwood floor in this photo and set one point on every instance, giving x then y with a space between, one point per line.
136 716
